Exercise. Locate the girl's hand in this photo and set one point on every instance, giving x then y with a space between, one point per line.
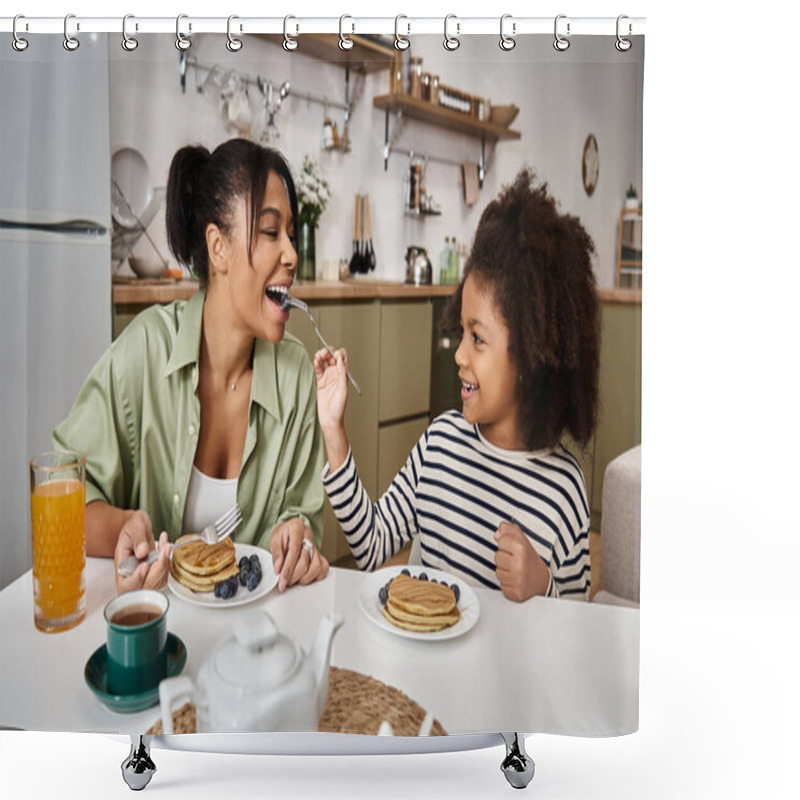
293 561
331 372
136 538
520 569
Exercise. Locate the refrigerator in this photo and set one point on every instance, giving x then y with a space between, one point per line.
55 254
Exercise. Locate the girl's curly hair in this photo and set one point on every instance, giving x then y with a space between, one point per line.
536 263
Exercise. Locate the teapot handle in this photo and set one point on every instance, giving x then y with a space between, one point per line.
169 690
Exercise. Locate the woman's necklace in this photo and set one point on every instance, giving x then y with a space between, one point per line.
243 373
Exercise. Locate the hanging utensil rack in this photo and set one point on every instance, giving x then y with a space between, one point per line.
258 82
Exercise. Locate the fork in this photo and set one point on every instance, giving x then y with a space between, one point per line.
211 534
293 301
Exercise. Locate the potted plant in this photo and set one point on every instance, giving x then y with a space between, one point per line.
631 199
313 196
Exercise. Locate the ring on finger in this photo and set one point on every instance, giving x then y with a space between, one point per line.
309 549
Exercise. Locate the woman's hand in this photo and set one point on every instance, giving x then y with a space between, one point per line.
136 538
331 372
293 561
520 569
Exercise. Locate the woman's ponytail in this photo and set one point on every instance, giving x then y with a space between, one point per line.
184 187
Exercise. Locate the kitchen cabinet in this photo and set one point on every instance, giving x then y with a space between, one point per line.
356 327
619 420
388 344
405 359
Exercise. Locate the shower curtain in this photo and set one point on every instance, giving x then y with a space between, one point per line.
393 151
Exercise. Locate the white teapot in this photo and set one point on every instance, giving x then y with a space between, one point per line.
257 680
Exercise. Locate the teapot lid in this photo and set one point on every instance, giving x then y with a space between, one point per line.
257 657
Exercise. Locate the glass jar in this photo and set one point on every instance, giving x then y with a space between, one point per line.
415 78
426 87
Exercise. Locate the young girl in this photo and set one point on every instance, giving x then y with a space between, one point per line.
493 494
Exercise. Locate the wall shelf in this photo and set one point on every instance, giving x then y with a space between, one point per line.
365 56
443 117
404 105
629 243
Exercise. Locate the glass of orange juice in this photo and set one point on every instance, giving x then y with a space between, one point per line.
58 537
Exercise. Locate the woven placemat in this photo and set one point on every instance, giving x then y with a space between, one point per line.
356 704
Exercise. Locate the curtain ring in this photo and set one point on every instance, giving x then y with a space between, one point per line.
451 43
622 44
70 42
560 43
345 42
289 44
507 42
18 43
129 43
233 44
400 41
181 42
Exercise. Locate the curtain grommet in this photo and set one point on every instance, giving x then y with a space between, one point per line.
561 43
507 42
18 43
451 43
233 44
71 43
181 41
345 42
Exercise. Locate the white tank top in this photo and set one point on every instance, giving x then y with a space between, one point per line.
207 500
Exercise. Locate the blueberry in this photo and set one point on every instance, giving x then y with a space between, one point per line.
423 576
224 590
243 576
234 584
256 567
217 587
252 581
406 572
244 562
383 595
456 591
255 560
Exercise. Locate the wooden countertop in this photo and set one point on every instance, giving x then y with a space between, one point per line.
146 292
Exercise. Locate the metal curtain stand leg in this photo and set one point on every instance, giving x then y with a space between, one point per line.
138 768
518 766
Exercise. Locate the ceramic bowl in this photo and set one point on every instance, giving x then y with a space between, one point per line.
147 267
504 115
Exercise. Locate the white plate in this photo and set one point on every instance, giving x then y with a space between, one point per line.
370 604
243 595
130 172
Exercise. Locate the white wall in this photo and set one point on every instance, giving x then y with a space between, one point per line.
591 88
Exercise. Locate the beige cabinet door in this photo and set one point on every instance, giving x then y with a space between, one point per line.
619 425
356 327
405 359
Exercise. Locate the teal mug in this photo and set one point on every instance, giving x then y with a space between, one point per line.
136 646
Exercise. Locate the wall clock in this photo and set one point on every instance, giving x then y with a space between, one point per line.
590 167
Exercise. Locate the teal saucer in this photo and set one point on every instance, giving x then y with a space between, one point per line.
96 675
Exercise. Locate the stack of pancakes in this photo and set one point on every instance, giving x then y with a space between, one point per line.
198 566
420 606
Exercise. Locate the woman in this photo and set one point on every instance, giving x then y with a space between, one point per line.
204 403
